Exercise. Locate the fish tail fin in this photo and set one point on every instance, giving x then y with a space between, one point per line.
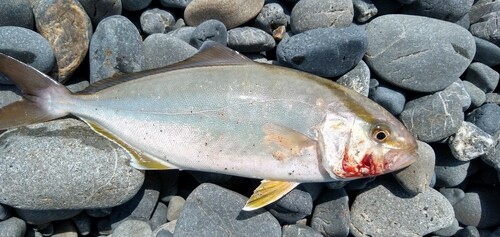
41 95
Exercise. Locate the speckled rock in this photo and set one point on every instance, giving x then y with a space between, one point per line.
213 30
135 5
458 88
98 10
385 209
299 231
417 177
271 17
418 53
12 227
161 50
133 228
486 118
77 176
116 48
479 208
477 96
292 207
65 24
16 13
249 39
469 142
447 10
231 13
156 21
483 7
486 52
450 172
482 76
331 213
389 97
486 28
312 14
364 10
357 79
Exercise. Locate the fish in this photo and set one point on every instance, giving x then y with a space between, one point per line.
220 112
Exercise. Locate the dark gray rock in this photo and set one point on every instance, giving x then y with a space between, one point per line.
492 157
216 210
468 231
5 212
486 52
272 16
444 10
433 117
479 208
477 96
486 28
417 177
156 21
484 77
213 30
418 53
299 231
386 209
327 52
133 228
98 213
45 217
159 216
26 46
292 207
469 142
389 97
175 3
175 206
450 172
82 223
486 118
87 171
357 79
162 50
448 231
16 13
313 14
481 8
116 47
331 213
98 10
364 10
453 195
12 227
183 33
249 40
135 5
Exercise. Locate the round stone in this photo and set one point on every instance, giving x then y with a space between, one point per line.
484 77
249 40
183 33
292 207
133 228
162 50
213 30
450 11
16 13
477 96
312 14
156 21
469 142
487 52
357 79
479 208
390 97
486 28
331 213
450 172
486 118
271 17
175 3
13 227
98 10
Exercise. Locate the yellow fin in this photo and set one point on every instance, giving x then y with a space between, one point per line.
267 193
291 141
139 160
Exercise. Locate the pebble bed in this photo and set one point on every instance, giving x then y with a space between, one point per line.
434 66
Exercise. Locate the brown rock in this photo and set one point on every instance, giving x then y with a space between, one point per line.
230 12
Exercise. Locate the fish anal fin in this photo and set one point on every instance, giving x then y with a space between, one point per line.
268 192
291 142
139 160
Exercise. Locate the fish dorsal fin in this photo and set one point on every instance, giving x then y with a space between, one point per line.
139 160
210 54
268 192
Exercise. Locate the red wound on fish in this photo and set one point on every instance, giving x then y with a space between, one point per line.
366 167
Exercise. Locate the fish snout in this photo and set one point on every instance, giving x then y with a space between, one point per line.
396 159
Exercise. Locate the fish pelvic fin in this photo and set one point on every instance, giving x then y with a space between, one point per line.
268 192
41 95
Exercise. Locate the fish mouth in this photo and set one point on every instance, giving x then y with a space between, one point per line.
399 159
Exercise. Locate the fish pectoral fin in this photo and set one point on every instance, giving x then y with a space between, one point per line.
138 159
268 192
292 141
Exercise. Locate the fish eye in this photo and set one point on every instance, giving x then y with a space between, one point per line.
380 133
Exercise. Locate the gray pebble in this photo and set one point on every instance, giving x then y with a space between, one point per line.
82 159
364 10
156 21
116 47
213 30
159 216
135 5
486 52
162 50
447 10
483 7
486 28
477 96
133 228
492 157
327 52
418 53
464 21
417 177
249 40
331 213
469 142
16 13
216 210
271 17
385 209
357 78
64 229
468 231
162 233
433 117
458 88
479 208
98 10
313 14
82 223
493 98
175 3
299 231
453 195
389 97
484 77
174 207
448 231
292 207
26 46
450 172
166 229
486 118
12 227
183 33
41 217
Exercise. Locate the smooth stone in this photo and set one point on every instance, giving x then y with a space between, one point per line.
299 231
98 213
16 13
364 10
165 230
453 195
448 231
469 142
433 117
450 172
477 96
159 216
486 28
468 231
162 233
213 30
458 88
133 228
447 10
417 177
484 77
102 178
357 78
464 22
183 33
231 13
12 227
486 118
486 52
70 39
216 210
64 229
327 52
169 188
292 207
98 10
175 3
162 50
313 14
83 223
272 16
116 48
418 53
483 7
135 5
156 21
493 98
386 209
492 157
389 97
40 217
5 212
249 40
27 46
479 208
331 213
175 206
